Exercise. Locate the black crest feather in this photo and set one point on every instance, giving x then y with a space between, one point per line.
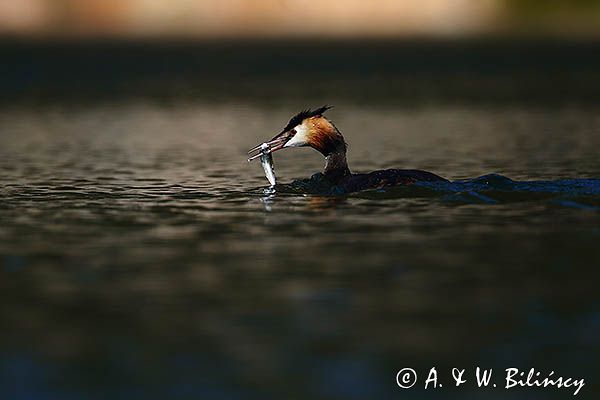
302 115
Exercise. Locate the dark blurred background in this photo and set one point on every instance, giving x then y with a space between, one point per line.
416 51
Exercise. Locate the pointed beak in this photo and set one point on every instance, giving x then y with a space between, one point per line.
277 143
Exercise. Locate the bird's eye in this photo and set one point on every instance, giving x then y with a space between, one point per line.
293 131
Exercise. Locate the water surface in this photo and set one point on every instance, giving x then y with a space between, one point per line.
141 256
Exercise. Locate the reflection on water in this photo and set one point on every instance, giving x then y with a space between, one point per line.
141 256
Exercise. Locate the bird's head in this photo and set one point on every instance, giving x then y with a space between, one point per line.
307 128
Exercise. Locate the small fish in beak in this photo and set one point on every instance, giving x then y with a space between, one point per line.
264 151
266 160
277 143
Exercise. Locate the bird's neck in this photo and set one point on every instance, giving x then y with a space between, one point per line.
330 142
336 165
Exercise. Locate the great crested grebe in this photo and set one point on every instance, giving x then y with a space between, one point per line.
311 128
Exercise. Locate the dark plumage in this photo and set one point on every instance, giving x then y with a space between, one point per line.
302 115
385 178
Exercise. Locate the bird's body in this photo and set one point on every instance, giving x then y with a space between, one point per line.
311 128
385 178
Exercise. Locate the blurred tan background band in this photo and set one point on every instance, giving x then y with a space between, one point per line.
296 18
